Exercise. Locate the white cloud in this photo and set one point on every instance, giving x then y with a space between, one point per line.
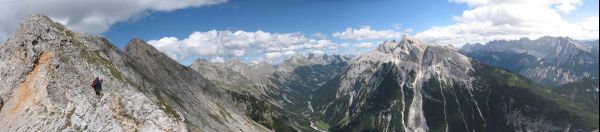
366 33
344 45
89 16
217 59
364 45
512 19
236 44
320 35
318 52
590 23
564 6
272 55
408 30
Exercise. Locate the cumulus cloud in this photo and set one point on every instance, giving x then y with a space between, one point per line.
254 47
364 45
564 6
320 35
408 30
590 23
217 59
366 33
272 55
223 45
89 16
487 20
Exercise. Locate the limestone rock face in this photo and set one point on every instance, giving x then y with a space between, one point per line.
46 73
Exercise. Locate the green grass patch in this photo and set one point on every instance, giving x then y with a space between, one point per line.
258 110
96 58
322 125
68 122
562 109
164 106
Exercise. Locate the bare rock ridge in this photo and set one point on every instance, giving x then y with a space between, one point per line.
47 68
194 95
46 71
296 61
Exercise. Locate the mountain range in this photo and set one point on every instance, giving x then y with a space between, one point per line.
548 60
412 86
548 84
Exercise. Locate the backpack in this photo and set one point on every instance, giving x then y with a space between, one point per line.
94 83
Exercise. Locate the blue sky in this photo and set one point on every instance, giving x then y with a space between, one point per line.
273 30
308 17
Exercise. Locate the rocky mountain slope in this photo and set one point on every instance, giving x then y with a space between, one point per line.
548 60
46 71
233 77
411 86
583 92
283 90
297 78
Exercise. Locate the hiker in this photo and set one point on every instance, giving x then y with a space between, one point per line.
97 85
1 103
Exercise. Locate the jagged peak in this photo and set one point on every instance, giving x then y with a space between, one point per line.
314 55
526 39
200 61
139 44
409 49
387 46
556 38
37 23
38 19
39 33
534 47
296 57
135 42
407 41
235 61
262 65
262 62
410 40
46 35
139 48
